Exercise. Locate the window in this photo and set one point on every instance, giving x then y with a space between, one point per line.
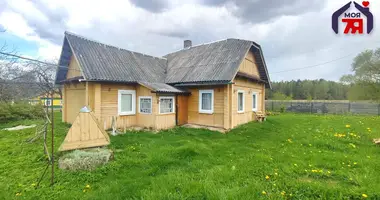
240 101
206 101
48 102
127 102
166 105
254 101
145 105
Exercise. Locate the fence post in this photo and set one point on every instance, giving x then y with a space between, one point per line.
311 107
349 106
272 105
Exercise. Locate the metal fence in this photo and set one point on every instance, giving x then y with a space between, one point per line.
331 107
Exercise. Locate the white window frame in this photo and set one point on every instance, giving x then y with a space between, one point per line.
48 102
240 111
131 92
159 104
200 101
256 95
151 104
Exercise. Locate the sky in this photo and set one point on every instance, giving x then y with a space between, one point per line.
293 33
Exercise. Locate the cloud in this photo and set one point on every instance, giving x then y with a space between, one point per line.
293 35
151 5
258 11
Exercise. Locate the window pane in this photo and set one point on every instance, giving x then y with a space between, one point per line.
145 105
166 105
240 101
206 101
254 101
126 102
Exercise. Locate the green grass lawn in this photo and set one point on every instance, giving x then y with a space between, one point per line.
290 156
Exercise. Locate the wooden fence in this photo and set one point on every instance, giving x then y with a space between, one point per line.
331 107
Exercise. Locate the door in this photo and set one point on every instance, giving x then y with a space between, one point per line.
182 109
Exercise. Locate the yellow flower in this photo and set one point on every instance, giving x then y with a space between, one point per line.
264 193
348 126
33 184
84 190
267 177
289 140
18 194
283 193
88 186
364 195
276 173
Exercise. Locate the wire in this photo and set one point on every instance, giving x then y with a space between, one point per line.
311 66
38 61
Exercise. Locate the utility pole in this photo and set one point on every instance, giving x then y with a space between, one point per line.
52 138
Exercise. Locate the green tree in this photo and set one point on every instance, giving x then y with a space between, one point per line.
365 80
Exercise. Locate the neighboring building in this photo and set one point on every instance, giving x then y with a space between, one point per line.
218 84
56 101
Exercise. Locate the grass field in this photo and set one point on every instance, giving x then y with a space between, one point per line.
290 156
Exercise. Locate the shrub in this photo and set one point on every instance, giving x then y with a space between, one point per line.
85 159
20 111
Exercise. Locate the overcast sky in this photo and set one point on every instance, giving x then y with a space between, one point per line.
293 33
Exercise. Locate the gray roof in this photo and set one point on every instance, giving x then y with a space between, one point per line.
216 62
161 87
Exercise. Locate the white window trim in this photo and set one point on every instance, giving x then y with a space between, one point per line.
133 93
240 111
48 102
159 104
151 104
200 102
257 95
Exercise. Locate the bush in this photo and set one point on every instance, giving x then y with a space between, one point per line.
85 159
20 111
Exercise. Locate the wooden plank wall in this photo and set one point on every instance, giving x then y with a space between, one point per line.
164 121
146 120
73 69
217 118
248 87
249 66
74 100
109 106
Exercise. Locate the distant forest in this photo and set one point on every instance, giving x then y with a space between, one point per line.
308 90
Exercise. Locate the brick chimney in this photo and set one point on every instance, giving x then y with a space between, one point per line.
187 44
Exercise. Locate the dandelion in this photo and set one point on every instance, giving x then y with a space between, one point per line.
84 190
33 184
276 174
283 193
267 177
264 193
348 126
290 140
18 194
88 186
364 195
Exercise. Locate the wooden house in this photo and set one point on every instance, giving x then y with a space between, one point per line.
219 84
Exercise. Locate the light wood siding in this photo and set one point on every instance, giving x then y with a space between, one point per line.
146 120
73 70
249 88
74 99
249 66
90 95
217 118
165 121
109 106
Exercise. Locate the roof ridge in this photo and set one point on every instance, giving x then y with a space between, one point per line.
198 45
112 46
